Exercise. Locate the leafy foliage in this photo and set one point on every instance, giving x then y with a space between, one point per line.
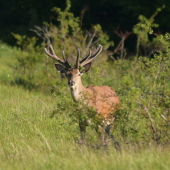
143 29
27 60
145 113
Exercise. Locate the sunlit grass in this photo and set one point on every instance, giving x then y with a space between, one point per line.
30 139
37 131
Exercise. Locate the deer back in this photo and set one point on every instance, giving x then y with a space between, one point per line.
103 99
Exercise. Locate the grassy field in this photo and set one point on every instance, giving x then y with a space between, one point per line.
30 139
37 132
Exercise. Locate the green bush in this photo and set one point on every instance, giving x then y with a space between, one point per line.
147 44
144 116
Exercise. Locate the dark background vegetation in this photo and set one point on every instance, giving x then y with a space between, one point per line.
20 16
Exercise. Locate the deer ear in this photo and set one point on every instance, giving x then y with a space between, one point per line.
60 68
86 68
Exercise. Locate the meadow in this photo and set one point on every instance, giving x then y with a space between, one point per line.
39 129
30 139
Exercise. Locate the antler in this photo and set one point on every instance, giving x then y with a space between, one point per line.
65 63
88 58
78 56
53 55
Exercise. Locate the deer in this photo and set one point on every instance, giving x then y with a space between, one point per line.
103 99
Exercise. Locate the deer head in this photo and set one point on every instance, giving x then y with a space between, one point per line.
73 74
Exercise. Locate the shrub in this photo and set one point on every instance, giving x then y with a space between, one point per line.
144 116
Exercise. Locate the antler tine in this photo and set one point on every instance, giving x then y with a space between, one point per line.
78 57
63 54
52 50
65 60
86 57
90 58
53 55
50 55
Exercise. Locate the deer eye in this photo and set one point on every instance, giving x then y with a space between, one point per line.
68 75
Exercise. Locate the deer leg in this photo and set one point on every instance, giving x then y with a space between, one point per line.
109 129
108 133
82 132
101 133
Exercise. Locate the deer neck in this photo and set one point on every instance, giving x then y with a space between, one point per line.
77 92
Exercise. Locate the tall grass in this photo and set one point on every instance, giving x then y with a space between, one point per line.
39 130
30 139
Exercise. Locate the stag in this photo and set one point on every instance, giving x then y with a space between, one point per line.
103 99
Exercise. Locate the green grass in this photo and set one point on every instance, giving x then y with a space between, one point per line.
30 139
37 131
7 59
